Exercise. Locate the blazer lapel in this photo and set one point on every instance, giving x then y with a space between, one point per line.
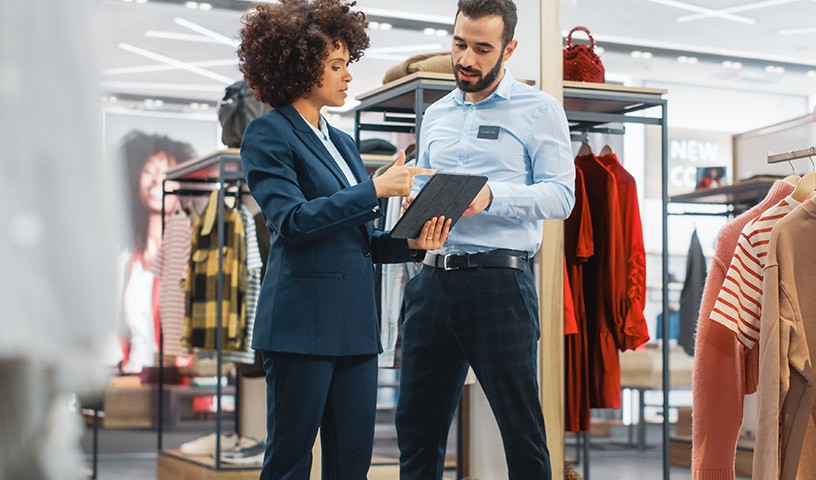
353 161
308 137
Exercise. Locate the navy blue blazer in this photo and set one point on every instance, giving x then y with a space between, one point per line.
318 293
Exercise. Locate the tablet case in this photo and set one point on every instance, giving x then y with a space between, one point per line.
443 194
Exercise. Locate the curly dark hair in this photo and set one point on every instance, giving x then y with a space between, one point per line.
284 45
136 148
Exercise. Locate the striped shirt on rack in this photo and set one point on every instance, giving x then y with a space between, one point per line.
739 303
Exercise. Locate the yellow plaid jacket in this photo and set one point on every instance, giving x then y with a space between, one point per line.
200 312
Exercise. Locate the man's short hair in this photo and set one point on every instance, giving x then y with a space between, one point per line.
505 9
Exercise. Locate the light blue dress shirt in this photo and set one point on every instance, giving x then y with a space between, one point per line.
323 134
527 160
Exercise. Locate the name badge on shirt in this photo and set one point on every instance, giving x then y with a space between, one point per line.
490 132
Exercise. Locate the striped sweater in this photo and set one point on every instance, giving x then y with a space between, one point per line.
738 303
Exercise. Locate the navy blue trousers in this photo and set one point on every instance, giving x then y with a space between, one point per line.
336 394
485 317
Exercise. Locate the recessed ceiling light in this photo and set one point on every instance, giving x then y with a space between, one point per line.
811 73
191 5
205 6
441 33
149 102
429 31
195 105
599 50
730 64
682 59
141 1
205 106
775 69
637 54
158 103
374 25
127 1
385 26
693 60
113 99
647 55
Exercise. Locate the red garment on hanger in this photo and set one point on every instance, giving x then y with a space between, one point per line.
570 323
578 248
603 292
632 329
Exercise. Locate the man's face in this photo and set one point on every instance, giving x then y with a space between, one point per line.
477 52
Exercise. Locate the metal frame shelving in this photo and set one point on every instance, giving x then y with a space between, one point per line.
219 171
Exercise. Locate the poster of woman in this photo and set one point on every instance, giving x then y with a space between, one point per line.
147 145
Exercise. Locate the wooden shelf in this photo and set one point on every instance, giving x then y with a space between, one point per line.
209 166
747 192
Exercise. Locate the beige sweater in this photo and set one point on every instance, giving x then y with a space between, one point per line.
786 387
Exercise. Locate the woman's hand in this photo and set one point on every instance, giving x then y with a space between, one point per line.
433 234
398 180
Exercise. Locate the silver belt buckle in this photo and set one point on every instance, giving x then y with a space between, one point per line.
445 265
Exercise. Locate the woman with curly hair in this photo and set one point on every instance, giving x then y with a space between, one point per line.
316 323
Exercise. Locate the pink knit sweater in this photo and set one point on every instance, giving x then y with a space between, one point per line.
723 371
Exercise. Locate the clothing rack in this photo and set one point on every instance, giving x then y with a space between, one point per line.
221 171
793 154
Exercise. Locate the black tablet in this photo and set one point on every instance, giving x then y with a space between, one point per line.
443 194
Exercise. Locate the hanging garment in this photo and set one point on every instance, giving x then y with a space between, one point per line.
787 339
139 316
202 279
578 248
722 368
738 304
632 330
170 266
570 323
692 294
604 295
253 288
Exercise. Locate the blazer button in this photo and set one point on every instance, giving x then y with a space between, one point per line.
367 252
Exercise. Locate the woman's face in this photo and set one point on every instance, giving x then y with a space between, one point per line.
150 181
332 89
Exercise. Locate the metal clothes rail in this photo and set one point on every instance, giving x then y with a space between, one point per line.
219 171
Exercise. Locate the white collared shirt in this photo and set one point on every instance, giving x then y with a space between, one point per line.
323 135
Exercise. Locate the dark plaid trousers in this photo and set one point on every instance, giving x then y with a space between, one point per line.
485 317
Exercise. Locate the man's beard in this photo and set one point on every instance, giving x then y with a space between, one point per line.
478 85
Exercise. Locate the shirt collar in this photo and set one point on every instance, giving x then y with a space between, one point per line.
503 90
323 131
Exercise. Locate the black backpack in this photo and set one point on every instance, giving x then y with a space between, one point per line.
238 107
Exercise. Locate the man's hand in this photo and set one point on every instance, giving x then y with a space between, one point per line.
483 200
433 234
398 179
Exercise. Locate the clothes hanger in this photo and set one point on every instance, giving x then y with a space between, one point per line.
794 178
807 185
606 150
585 149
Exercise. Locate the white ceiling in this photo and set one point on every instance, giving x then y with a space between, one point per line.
123 42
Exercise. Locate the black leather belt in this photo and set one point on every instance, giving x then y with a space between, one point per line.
494 258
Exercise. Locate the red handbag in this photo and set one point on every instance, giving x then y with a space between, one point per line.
581 64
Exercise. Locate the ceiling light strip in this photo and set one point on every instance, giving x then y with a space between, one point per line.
206 32
180 36
165 68
175 62
698 9
636 43
163 86
737 9
797 31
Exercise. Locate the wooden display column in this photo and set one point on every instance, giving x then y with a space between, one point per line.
551 263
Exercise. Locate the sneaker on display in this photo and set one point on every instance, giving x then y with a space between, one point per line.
251 455
205 444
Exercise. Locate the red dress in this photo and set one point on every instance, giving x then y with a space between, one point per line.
603 292
578 248
631 329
